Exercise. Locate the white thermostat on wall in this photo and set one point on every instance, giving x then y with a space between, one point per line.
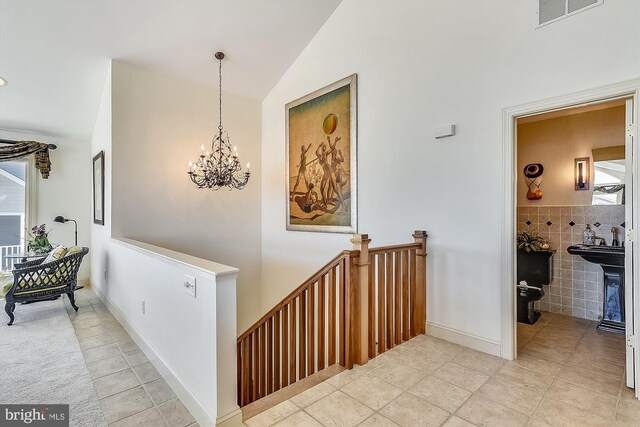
445 131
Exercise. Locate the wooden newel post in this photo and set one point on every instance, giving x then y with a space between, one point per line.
420 309
360 299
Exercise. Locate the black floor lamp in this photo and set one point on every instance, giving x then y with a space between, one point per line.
62 220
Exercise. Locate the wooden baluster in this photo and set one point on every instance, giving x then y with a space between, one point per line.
332 316
321 310
285 341
390 337
342 315
405 295
269 348
263 362
382 346
303 340
292 342
420 236
348 314
248 374
397 298
256 366
239 372
311 338
276 351
412 292
371 304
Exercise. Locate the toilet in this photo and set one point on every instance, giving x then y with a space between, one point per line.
535 269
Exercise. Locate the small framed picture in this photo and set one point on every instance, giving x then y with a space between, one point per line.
98 188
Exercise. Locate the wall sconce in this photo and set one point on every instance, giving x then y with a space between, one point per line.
582 173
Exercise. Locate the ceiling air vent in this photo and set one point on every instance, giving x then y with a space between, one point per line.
552 10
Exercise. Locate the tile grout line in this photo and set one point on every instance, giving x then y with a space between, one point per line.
579 332
566 364
141 383
102 320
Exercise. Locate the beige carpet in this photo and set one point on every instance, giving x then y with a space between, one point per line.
41 362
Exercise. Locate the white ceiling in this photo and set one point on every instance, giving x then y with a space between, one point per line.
55 54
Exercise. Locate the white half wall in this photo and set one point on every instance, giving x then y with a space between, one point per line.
422 64
66 192
158 125
190 340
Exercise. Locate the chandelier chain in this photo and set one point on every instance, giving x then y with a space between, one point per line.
220 92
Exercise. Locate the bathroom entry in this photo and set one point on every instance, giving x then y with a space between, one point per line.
574 208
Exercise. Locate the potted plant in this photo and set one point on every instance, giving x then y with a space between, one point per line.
38 239
530 241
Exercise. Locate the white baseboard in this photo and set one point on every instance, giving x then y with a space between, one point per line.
188 399
462 338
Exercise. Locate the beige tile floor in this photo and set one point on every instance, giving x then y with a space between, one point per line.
130 389
567 374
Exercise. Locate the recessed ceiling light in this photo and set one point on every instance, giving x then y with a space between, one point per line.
2 81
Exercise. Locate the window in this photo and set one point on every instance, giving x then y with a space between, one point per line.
14 196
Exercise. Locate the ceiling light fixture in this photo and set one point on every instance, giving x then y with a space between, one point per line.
2 81
220 167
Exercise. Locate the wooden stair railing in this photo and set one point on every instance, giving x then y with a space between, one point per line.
360 304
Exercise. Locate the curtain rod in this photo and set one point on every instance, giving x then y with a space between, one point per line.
9 141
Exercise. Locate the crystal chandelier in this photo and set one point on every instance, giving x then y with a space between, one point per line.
220 167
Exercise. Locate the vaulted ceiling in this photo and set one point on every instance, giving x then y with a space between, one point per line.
55 54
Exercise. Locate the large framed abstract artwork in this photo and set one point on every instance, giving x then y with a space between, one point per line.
321 150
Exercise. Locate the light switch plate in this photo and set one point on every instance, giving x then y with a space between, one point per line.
445 131
190 285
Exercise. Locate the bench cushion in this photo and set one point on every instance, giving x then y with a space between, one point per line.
6 280
6 284
35 291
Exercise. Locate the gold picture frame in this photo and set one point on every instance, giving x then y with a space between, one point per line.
321 159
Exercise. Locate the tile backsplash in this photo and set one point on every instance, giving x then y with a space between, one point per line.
577 286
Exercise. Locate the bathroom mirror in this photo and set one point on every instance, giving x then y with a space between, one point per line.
609 176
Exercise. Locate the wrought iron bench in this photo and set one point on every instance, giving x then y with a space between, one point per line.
37 281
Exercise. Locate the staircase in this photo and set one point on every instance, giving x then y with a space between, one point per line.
362 303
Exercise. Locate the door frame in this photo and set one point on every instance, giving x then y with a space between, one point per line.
625 89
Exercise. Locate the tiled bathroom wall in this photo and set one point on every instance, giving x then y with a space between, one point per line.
577 286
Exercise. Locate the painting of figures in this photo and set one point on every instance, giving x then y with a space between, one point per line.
321 160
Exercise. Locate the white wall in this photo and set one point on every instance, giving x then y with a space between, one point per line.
66 192
201 370
101 141
420 65
158 125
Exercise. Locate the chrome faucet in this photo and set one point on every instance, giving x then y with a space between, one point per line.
603 242
614 237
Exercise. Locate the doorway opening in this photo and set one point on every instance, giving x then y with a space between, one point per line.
569 163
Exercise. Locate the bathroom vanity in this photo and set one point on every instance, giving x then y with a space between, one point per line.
611 259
